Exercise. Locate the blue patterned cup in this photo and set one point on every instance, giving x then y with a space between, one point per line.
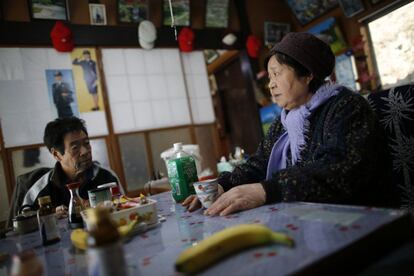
206 191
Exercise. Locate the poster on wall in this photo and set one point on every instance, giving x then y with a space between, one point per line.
308 10
87 82
330 32
217 13
344 70
180 10
132 11
61 91
351 7
48 9
274 32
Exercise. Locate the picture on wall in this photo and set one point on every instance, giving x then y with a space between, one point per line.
97 14
330 32
307 10
132 11
48 9
180 10
351 7
87 82
217 13
274 32
61 92
345 70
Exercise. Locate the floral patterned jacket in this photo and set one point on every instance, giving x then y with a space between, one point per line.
344 161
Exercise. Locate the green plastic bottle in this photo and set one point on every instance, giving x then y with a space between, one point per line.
182 173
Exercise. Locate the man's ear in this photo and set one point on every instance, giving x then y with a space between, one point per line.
56 154
309 78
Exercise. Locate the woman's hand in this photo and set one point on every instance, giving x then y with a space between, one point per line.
243 197
193 203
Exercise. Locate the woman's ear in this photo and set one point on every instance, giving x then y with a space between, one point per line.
56 154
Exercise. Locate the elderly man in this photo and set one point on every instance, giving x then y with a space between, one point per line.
67 140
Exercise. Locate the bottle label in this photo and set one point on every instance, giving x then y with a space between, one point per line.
107 260
48 227
182 173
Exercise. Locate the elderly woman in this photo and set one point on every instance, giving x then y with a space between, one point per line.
324 147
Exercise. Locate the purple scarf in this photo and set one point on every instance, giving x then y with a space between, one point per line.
296 124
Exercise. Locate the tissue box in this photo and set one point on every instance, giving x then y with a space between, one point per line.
144 213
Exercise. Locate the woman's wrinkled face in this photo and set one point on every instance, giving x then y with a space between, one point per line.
288 90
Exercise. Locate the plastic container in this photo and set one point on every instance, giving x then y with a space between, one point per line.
182 173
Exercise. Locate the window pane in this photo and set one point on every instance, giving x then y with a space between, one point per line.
163 140
392 39
4 199
26 160
134 160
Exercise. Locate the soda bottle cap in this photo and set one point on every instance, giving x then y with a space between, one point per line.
43 200
178 146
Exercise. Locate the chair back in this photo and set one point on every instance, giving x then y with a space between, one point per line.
395 111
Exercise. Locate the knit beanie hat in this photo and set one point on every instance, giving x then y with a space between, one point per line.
308 50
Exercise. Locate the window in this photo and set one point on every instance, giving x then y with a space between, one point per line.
392 41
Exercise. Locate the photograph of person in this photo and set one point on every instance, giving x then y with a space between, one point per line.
87 80
97 14
61 93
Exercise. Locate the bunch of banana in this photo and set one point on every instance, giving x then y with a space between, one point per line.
226 242
80 236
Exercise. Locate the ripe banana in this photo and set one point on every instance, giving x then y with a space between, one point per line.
226 242
79 236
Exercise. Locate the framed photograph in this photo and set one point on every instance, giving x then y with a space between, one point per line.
48 9
330 32
217 13
274 32
308 10
180 10
132 11
351 7
97 14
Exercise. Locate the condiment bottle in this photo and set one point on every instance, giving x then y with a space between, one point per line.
182 173
49 231
75 206
105 252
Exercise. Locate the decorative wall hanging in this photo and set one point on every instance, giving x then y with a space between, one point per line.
181 12
351 7
330 32
50 9
132 11
274 32
217 13
307 10
97 14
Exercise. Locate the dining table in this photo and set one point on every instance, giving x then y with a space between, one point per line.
328 238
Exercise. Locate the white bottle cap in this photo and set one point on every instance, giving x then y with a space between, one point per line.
178 146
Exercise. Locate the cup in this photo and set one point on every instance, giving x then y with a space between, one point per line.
206 191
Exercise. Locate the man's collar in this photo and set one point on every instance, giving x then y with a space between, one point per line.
59 177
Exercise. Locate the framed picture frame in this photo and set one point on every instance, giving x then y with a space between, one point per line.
181 12
329 31
217 14
97 14
132 11
351 7
274 32
48 10
308 10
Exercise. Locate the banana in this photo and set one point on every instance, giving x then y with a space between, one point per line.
226 242
80 236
